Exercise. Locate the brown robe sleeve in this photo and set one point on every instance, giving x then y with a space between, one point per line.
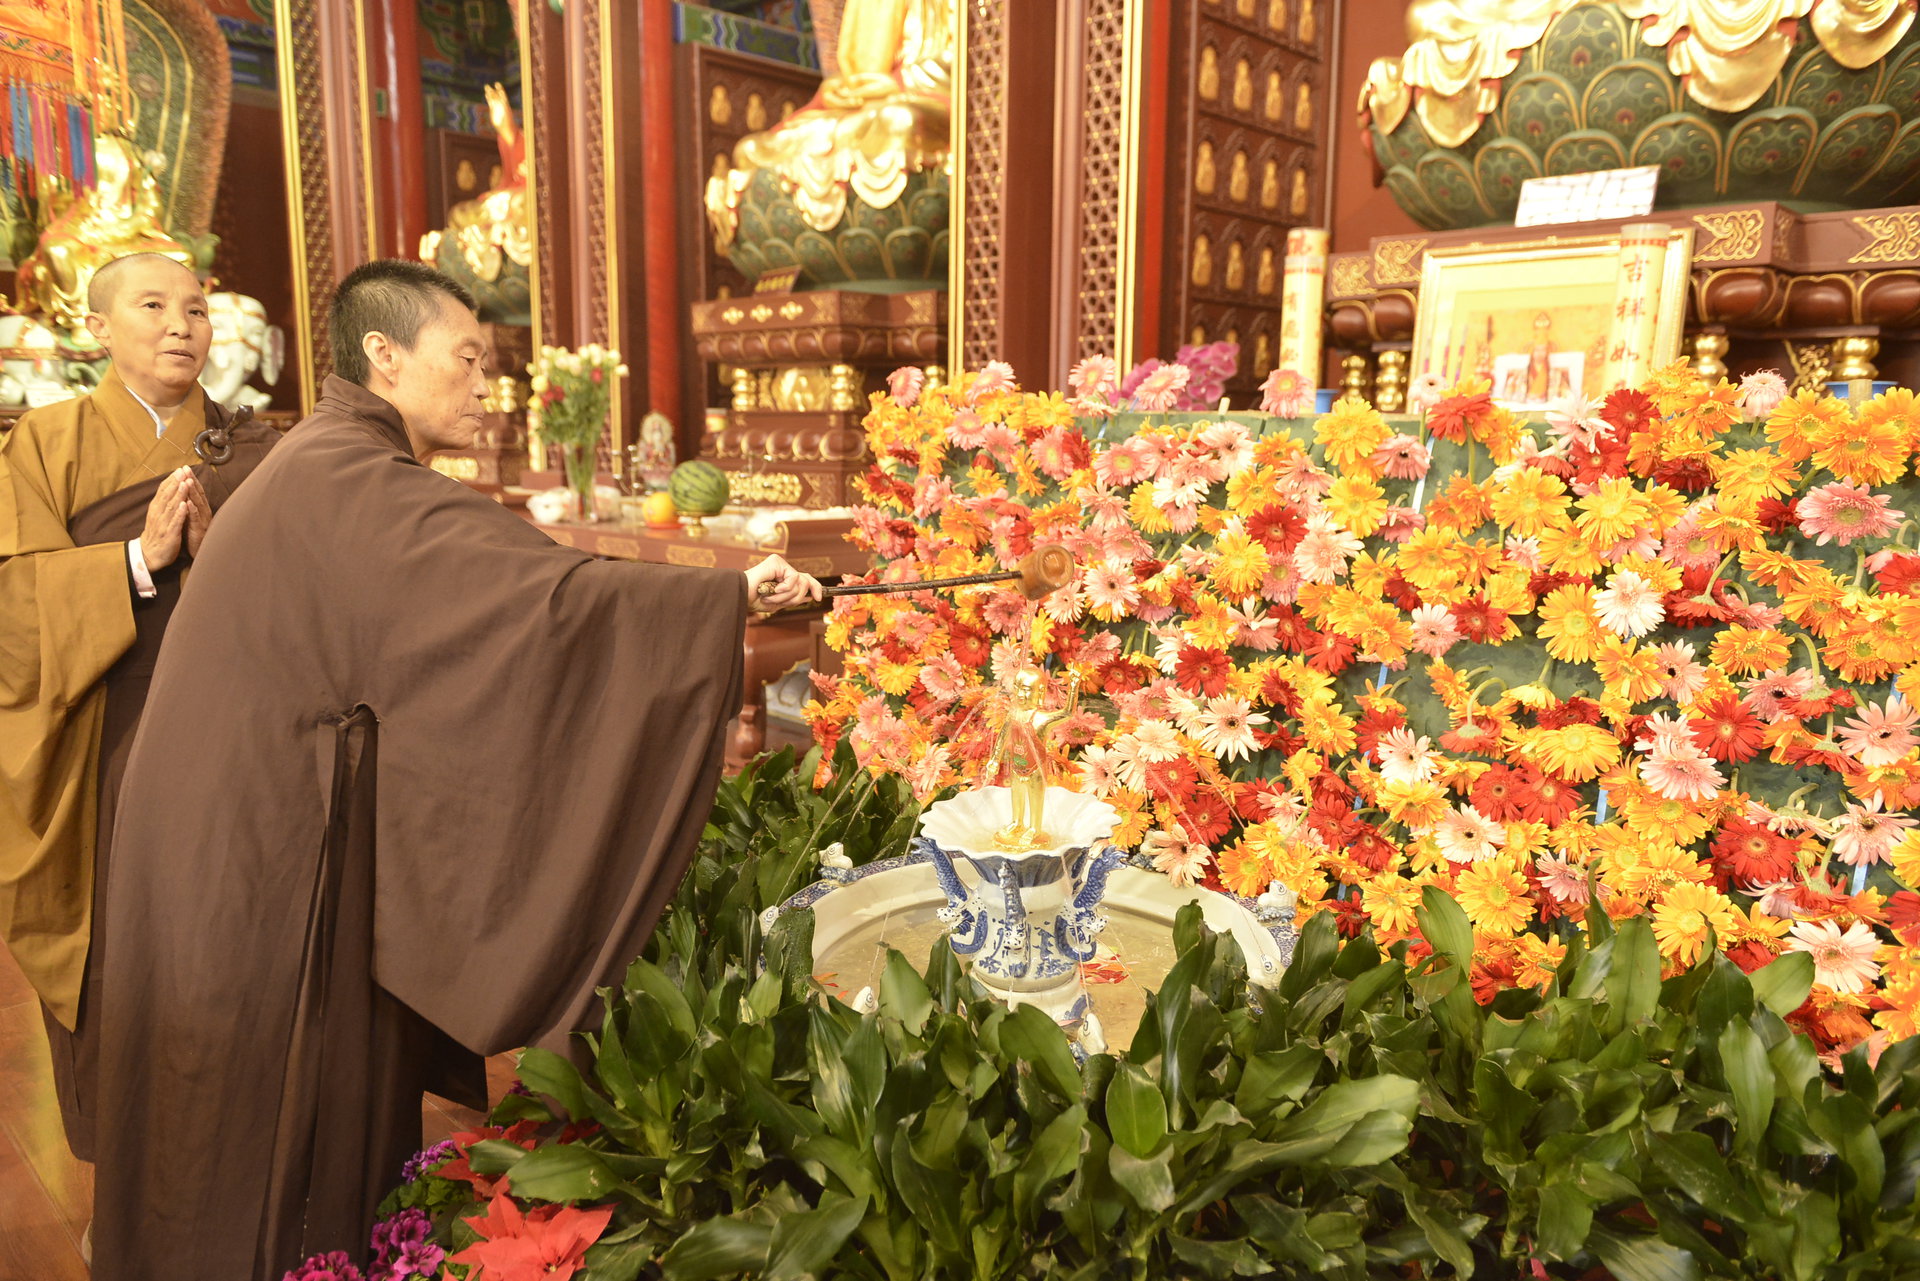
550 732
66 615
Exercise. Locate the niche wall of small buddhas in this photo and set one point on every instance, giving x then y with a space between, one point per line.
1247 159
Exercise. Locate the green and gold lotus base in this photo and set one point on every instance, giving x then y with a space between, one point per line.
893 250
1591 95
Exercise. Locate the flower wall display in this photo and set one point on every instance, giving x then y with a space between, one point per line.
1660 649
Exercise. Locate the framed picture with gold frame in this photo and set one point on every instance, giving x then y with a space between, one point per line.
1548 320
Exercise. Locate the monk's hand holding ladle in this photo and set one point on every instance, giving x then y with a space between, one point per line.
774 585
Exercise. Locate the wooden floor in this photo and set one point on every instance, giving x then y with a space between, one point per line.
46 1197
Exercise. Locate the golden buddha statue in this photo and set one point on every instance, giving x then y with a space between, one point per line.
120 216
1020 757
1237 179
1270 185
1204 180
1202 262
1264 280
881 115
1236 267
494 228
1275 104
1242 86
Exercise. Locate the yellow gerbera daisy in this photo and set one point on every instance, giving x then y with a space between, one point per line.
1568 623
1685 915
1495 896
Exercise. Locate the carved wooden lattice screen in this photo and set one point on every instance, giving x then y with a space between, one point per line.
1247 159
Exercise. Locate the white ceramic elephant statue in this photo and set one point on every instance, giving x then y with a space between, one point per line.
243 344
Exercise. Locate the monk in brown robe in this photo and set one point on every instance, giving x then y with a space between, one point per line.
413 781
103 502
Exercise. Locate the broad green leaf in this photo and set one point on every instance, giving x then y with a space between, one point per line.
545 1072
1345 1102
1052 1157
904 994
1642 1258
1750 1081
1029 1034
717 1248
1148 1180
841 1159
1566 1216
1783 983
807 1242
1692 1162
1384 979
1136 1110
1370 1140
1444 924
1277 1076
1726 997
562 1172
646 979
1633 985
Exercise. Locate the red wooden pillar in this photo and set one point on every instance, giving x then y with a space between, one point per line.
665 309
402 162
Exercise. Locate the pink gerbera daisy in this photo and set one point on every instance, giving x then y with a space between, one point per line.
1095 378
1324 550
1881 735
1681 772
1629 606
905 383
1286 394
1466 835
1399 523
1681 677
1160 390
1842 960
1182 861
1402 457
1434 631
1561 879
1841 512
1405 758
990 381
1865 835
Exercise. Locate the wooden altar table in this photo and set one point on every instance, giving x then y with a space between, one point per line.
775 643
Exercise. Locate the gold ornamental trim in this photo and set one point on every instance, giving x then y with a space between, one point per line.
1895 237
1396 262
1734 235
693 557
1350 277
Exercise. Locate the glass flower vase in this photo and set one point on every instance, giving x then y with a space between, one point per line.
580 463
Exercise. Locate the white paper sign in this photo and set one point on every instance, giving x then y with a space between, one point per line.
1587 197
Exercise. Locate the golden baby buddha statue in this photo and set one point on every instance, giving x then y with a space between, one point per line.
121 215
487 243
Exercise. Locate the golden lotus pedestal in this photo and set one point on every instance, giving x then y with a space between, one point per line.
801 367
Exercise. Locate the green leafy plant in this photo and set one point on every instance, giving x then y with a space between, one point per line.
1369 1118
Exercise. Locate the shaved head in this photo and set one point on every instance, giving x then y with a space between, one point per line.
110 279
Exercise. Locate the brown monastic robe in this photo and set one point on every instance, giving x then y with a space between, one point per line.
410 773
76 651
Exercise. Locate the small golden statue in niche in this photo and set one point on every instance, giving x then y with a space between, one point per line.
1204 179
1236 266
121 215
1307 29
1238 178
1202 262
1199 336
1270 186
1298 205
1262 351
756 112
719 105
1242 86
1244 7
1263 280
1303 108
1276 104
1277 14
1209 73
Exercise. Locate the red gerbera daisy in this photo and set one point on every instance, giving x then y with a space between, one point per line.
1295 632
1550 801
1279 527
1203 671
1901 573
1477 619
1480 735
1777 517
1206 817
1726 731
1574 711
1750 854
1628 410
1501 794
1331 653
1903 914
1171 780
